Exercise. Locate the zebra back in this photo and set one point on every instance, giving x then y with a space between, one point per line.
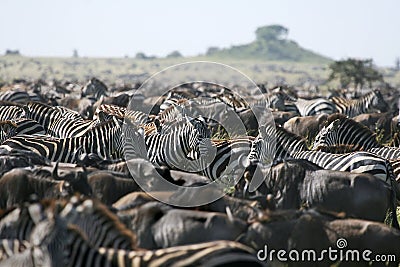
45 115
340 130
66 127
365 104
11 112
315 107
58 242
16 96
355 162
21 126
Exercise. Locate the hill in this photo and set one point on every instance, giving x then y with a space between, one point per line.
271 44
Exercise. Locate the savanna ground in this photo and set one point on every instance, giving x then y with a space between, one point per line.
131 70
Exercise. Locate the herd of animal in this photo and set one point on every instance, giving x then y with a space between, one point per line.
71 155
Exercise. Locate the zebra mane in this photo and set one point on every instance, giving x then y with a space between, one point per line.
284 135
356 127
98 208
339 149
9 103
113 123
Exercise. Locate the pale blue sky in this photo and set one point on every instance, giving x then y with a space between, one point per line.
338 29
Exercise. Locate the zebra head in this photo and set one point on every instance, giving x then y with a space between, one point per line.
201 126
7 129
327 136
263 147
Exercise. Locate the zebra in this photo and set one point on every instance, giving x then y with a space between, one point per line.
44 114
367 103
341 130
94 88
64 127
16 96
289 145
314 107
109 110
101 227
55 242
11 112
229 156
173 99
106 112
105 140
20 126
172 149
68 113
11 247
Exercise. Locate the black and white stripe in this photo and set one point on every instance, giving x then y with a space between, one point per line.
104 140
365 104
314 107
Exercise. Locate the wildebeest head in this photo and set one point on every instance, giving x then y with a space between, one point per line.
73 182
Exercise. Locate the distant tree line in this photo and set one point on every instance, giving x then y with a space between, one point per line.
357 72
13 52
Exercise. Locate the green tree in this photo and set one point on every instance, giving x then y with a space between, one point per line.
354 71
174 54
271 33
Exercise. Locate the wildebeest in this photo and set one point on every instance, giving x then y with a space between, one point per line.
302 230
108 188
17 186
378 122
307 127
294 184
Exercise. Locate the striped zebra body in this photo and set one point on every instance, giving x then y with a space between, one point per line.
345 131
63 244
121 113
16 96
11 112
68 113
229 155
396 169
103 140
45 115
170 114
11 247
21 126
172 149
315 107
389 153
289 145
66 127
173 99
365 104
356 162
